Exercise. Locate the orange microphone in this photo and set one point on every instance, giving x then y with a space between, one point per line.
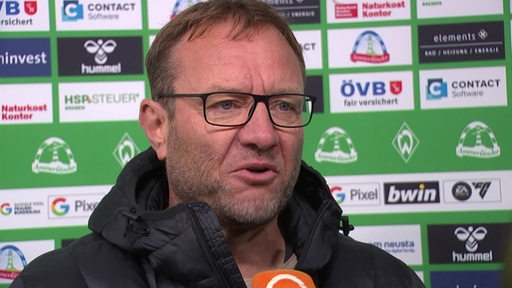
283 278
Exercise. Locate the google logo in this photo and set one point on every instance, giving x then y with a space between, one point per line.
59 206
5 209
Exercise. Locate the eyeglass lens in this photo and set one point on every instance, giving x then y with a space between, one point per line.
292 110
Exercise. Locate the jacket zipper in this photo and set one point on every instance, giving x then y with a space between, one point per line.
322 210
202 242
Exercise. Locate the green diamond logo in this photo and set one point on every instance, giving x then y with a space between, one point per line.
405 142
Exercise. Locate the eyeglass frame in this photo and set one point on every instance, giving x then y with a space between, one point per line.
257 98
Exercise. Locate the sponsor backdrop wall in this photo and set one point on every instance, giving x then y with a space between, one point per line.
412 127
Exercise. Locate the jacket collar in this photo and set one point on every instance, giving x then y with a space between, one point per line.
175 240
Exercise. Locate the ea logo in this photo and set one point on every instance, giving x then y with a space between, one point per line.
284 277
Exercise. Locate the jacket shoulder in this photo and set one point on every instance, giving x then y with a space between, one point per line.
87 262
358 264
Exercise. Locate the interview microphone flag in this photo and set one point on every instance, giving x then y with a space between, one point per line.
284 278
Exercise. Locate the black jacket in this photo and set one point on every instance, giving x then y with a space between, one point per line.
137 243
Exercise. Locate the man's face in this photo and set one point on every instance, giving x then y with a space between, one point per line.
245 173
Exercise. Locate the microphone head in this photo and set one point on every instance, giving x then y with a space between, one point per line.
283 278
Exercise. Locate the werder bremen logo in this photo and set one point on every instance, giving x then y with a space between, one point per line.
125 150
335 146
477 140
405 142
54 157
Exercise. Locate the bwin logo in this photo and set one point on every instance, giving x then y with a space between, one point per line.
411 193
471 236
100 49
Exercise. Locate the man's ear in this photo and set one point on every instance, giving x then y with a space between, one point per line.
153 119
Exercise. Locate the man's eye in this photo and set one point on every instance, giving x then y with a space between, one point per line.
283 106
225 105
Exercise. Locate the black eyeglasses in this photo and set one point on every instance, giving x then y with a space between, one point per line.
230 109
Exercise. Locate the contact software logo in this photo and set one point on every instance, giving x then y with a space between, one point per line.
335 146
72 11
436 89
54 157
477 140
369 47
59 206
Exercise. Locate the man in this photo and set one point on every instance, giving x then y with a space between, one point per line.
222 194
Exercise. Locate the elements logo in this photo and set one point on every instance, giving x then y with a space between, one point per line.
405 142
125 150
54 157
477 140
461 42
411 193
5 209
72 11
59 206
369 47
436 89
335 146
14 262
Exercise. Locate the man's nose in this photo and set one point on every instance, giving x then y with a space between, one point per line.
259 131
